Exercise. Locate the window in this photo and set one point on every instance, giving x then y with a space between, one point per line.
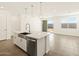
64 25
70 22
50 23
72 25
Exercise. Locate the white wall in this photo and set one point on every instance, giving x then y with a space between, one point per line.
34 13
31 16
57 26
35 24
12 23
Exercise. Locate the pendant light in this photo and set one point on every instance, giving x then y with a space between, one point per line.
32 10
25 11
40 14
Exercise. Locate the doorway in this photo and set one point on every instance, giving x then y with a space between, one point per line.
44 26
50 25
3 27
47 25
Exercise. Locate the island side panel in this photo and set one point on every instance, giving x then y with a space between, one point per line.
47 43
41 47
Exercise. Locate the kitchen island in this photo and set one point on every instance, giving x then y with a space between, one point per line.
35 44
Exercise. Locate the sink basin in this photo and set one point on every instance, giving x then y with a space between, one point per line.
22 35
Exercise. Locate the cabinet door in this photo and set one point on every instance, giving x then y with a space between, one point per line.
0 28
23 44
16 40
3 27
20 42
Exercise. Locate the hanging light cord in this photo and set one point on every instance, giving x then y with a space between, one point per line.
40 9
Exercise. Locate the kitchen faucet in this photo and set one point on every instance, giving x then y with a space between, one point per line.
28 27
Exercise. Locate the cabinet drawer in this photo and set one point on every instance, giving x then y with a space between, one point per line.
20 42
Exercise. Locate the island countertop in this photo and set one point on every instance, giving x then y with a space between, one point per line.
37 35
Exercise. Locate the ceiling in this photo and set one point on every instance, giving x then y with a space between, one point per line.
47 8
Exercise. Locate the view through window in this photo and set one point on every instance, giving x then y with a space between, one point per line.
70 22
50 25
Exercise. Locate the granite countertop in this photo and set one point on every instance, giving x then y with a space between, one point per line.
37 35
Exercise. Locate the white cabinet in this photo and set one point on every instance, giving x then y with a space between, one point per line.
23 44
20 42
16 40
41 48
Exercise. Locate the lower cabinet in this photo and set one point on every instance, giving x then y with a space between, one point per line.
41 48
36 47
23 44
20 42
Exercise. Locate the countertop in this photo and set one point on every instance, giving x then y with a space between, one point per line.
37 35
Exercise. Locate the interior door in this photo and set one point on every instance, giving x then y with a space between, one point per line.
3 28
0 27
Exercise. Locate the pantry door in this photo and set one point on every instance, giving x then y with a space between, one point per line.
3 27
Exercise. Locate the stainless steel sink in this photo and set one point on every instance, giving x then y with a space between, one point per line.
22 35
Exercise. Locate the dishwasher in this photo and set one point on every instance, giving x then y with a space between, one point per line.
32 46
